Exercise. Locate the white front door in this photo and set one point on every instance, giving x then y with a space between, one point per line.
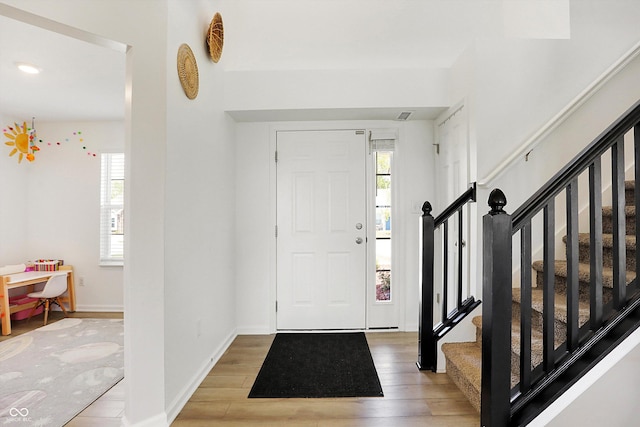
322 230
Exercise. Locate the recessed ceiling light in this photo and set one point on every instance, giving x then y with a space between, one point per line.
28 68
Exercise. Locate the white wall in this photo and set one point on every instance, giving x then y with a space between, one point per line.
612 384
255 246
14 196
63 206
521 84
200 295
570 137
53 206
151 145
336 89
255 250
415 180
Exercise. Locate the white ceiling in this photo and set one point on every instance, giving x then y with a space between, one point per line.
81 81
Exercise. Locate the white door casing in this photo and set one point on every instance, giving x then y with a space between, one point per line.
322 230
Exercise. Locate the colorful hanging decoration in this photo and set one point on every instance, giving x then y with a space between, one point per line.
25 142
77 135
32 140
22 139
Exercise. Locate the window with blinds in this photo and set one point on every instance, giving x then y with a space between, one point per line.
112 209
382 146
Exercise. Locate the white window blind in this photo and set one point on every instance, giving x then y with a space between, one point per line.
382 139
112 209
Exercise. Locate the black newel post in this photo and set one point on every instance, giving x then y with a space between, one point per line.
496 314
427 354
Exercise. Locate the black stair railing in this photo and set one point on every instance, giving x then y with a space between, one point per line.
542 381
428 331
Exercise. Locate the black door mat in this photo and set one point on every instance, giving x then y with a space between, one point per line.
318 365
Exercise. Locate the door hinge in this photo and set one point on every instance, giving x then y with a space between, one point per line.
275 157
359 132
276 231
276 306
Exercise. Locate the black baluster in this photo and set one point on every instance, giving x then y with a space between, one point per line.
459 258
619 226
595 244
636 149
548 291
572 265
445 270
525 308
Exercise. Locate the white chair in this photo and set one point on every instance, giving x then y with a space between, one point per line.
55 286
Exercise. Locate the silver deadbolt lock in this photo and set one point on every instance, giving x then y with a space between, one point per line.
358 226
359 240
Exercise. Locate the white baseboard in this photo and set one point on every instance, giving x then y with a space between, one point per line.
101 308
159 420
173 410
411 327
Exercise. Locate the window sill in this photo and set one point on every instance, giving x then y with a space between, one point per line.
108 263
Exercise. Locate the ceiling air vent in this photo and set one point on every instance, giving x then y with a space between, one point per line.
404 115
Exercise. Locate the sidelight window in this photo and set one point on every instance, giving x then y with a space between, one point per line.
384 160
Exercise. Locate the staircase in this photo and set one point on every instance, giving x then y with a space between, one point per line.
464 359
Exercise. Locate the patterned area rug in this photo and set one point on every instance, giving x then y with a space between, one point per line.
49 375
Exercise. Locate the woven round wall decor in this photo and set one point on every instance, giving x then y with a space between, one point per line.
215 37
188 71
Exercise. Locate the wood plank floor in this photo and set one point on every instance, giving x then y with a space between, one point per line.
108 410
411 397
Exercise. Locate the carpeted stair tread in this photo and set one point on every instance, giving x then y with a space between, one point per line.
536 342
629 188
584 243
630 219
607 240
560 305
464 366
464 360
629 211
584 272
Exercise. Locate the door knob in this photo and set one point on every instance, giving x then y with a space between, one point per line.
359 240
358 226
